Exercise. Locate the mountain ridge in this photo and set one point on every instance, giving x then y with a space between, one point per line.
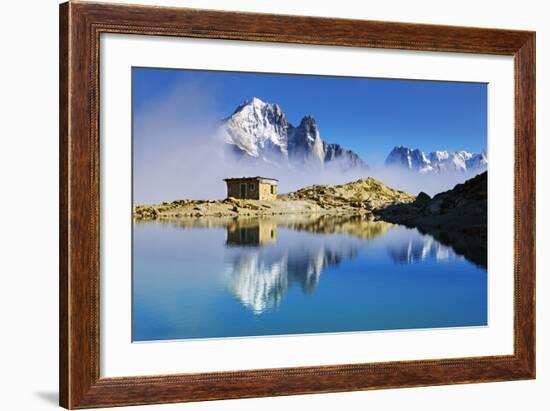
261 131
436 161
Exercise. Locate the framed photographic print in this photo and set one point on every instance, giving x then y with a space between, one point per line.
258 205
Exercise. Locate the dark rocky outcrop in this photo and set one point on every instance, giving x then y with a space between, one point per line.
457 217
422 199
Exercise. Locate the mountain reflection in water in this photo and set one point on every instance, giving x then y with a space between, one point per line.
274 269
418 249
259 278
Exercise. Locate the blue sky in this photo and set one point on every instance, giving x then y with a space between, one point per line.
369 116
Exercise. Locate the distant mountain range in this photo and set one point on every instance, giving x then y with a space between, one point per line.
436 161
260 132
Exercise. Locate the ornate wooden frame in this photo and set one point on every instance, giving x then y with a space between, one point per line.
80 27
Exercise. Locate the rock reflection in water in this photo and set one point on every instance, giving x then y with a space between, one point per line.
261 230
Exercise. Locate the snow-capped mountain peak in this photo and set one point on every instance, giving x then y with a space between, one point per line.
438 156
261 131
257 101
477 161
412 159
258 128
253 103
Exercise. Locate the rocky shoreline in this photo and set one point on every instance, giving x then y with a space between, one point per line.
456 217
359 197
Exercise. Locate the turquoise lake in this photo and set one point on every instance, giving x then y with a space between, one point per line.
219 278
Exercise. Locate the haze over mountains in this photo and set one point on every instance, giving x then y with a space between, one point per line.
190 149
260 133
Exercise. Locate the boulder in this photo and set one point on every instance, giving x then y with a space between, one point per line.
422 199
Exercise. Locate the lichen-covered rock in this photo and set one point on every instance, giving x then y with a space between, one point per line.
365 193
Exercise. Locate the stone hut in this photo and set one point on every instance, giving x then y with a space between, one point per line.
252 188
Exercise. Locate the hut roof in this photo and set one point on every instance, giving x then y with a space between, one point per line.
266 179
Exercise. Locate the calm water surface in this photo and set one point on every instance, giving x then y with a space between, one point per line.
207 278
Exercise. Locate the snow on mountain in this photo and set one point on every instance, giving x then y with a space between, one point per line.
477 161
261 277
260 130
439 156
412 159
436 161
